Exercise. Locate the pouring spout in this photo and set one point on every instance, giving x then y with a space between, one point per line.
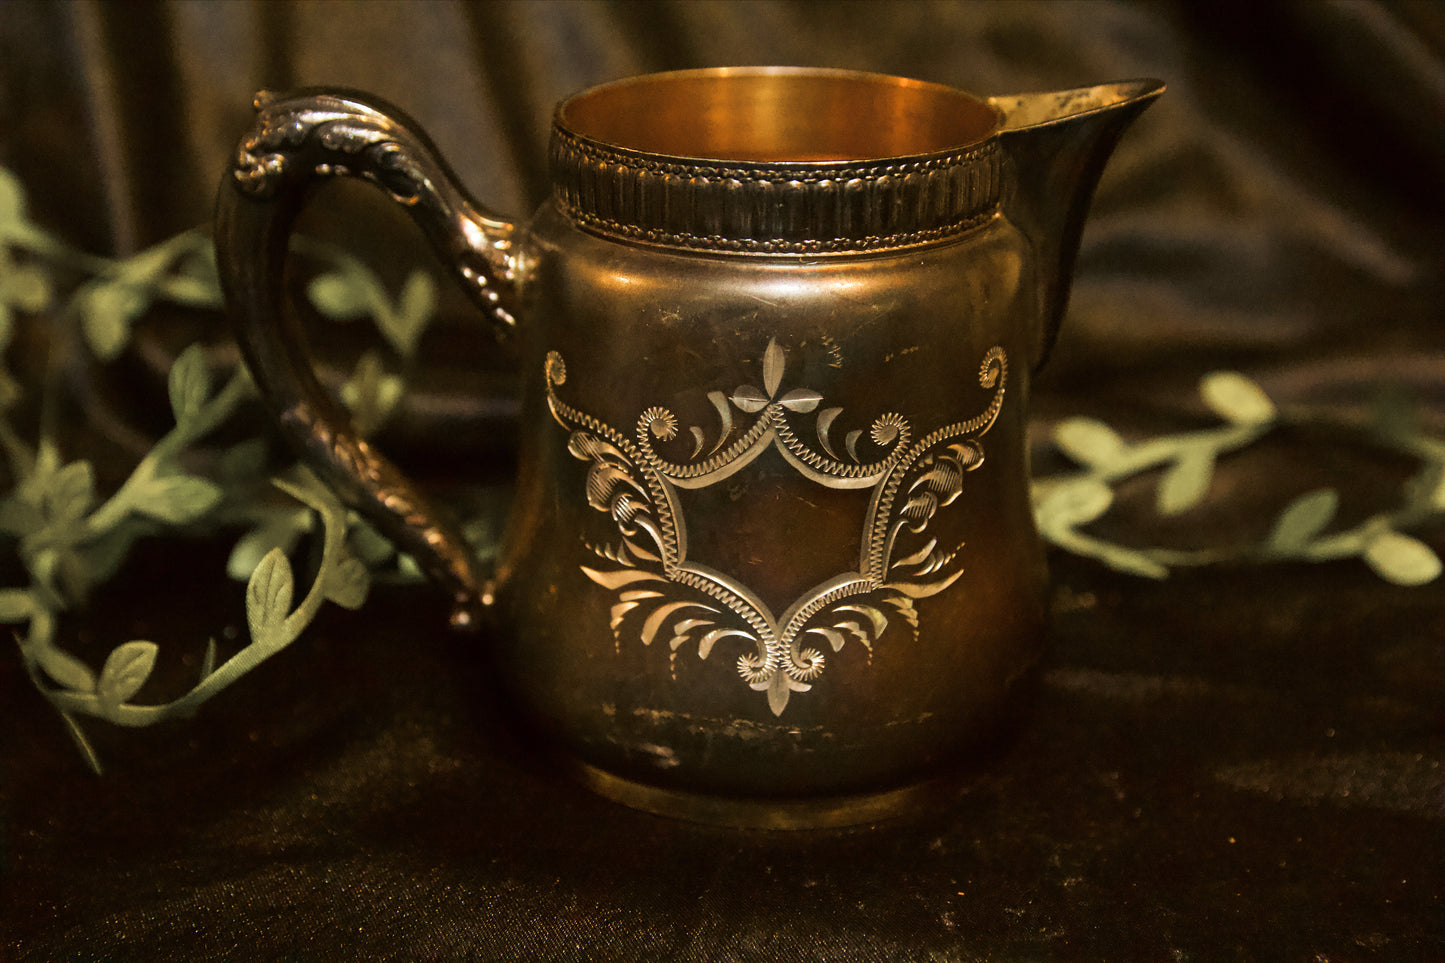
1055 147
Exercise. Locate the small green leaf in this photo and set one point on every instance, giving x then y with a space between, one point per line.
83 744
47 458
404 326
178 499
103 552
72 572
1303 519
1186 481
27 287
302 484
208 661
125 671
418 295
66 669
347 583
481 534
1236 398
11 392
370 545
408 569
199 263
1073 503
371 393
105 315
19 517
12 200
1402 559
193 292
144 269
1089 442
71 491
42 568
1129 560
31 490
268 596
1436 498
189 383
338 297
279 530
16 605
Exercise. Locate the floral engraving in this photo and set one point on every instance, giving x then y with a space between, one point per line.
663 594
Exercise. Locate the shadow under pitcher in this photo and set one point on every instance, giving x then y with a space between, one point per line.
771 560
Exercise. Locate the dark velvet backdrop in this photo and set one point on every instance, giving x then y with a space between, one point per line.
1241 763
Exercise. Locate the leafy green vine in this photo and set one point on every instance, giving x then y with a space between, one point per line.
67 538
1065 504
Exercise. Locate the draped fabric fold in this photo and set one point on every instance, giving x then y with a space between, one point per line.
1285 187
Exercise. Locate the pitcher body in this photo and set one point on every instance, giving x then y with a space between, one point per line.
773 535
771 559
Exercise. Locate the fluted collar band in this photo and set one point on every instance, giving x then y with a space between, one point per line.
776 160
773 208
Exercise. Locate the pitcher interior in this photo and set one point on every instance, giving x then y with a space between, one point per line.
778 115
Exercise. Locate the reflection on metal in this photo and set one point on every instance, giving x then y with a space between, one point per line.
662 593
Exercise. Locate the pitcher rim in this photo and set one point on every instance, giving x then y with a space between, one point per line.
775 205
561 121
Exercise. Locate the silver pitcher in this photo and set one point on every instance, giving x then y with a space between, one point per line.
771 559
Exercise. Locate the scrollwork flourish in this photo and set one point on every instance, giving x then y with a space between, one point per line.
637 487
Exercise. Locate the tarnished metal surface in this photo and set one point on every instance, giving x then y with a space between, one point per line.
772 540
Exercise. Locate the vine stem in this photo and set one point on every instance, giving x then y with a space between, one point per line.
1156 562
1159 451
17 452
211 414
258 651
147 274
39 242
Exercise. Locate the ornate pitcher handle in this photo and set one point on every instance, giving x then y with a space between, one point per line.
295 142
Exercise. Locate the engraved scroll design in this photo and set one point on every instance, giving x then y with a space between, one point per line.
661 593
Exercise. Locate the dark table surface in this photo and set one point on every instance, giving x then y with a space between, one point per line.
1231 764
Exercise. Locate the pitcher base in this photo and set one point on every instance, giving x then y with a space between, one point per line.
830 812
